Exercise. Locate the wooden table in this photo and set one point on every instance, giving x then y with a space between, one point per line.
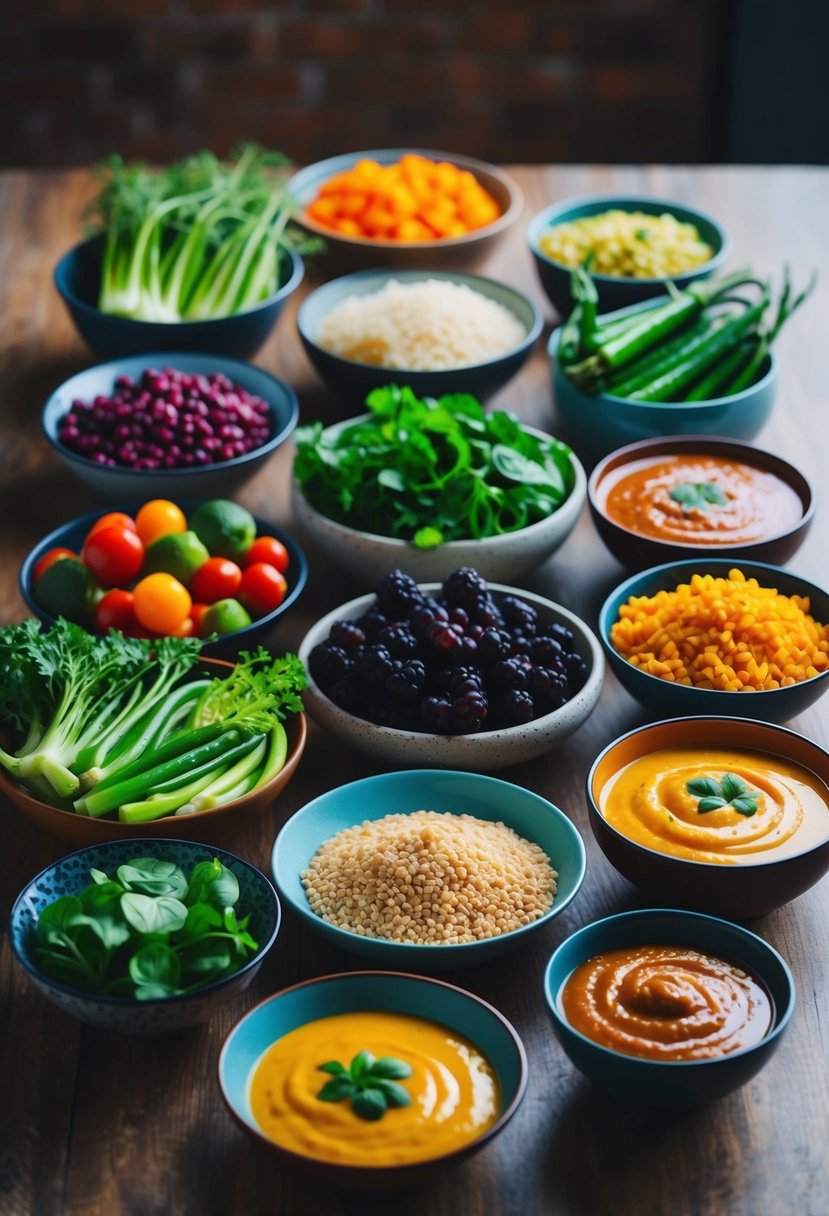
95 1124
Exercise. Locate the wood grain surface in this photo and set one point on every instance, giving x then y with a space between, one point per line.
96 1124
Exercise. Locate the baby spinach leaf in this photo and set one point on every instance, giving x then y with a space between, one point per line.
152 876
155 963
391 479
56 921
153 914
207 957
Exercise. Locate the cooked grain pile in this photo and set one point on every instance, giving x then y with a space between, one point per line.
429 878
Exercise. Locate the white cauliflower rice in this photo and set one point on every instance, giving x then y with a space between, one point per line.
428 326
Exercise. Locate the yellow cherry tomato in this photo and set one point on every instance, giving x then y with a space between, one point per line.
161 603
159 517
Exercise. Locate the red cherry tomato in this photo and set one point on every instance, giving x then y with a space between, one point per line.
270 550
116 610
197 615
49 559
114 555
217 579
262 588
112 517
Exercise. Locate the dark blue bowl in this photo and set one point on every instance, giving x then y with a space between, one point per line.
614 290
72 534
683 700
78 278
675 1083
352 382
217 480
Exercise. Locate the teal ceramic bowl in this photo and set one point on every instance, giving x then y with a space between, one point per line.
360 992
677 1083
670 700
614 290
528 814
70 875
352 382
595 426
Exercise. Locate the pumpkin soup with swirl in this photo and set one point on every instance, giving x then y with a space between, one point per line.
719 805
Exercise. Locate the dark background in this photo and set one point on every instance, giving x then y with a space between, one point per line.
672 81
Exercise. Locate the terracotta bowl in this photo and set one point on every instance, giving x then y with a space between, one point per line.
636 551
744 890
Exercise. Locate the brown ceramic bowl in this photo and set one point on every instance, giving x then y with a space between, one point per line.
637 552
742 891
208 827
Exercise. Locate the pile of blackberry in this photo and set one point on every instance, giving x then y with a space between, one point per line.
454 665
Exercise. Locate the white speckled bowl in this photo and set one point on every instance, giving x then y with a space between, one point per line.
482 752
368 556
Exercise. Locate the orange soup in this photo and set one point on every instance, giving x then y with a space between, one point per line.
697 499
667 1003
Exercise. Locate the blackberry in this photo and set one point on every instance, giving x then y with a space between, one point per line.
374 665
520 645
577 672
397 594
443 638
519 615
547 652
347 635
398 639
371 622
328 664
564 636
463 588
548 689
468 650
494 645
509 673
348 693
516 707
469 712
457 616
463 680
485 613
406 680
436 715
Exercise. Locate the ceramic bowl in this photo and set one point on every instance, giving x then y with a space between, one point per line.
598 425
677 1083
744 890
614 290
482 752
71 536
71 875
458 793
77 278
637 551
676 700
217 480
368 556
357 992
467 252
352 382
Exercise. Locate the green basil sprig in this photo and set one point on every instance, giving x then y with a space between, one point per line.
731 791
701 494
371 1084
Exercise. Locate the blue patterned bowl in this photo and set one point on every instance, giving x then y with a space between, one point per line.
70 875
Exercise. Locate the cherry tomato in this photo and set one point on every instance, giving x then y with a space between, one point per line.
268 549
197 615
115 610
262 588
159 517
114 555
112 517
161 603
49 559
217 579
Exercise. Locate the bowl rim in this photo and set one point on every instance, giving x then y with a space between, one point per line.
781 1019
513 209
577 495
618 202
423 950
709 868
52 540
653 575
350 1168
61 270
166 359
168 1002
630 452
402 274
482 738
770 362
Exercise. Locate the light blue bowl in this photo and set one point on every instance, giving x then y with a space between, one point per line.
352 382
360 992
671 700
614 290
528 814
595 426
70 875
218 480
675 1083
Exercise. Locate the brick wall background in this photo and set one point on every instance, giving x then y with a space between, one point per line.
507 80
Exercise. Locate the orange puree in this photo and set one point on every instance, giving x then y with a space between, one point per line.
649 802
758 504
667 1003
454 1091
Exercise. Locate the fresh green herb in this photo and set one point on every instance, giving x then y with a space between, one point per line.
642 234
429 471
698 494
731 791
371 1084
149 932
